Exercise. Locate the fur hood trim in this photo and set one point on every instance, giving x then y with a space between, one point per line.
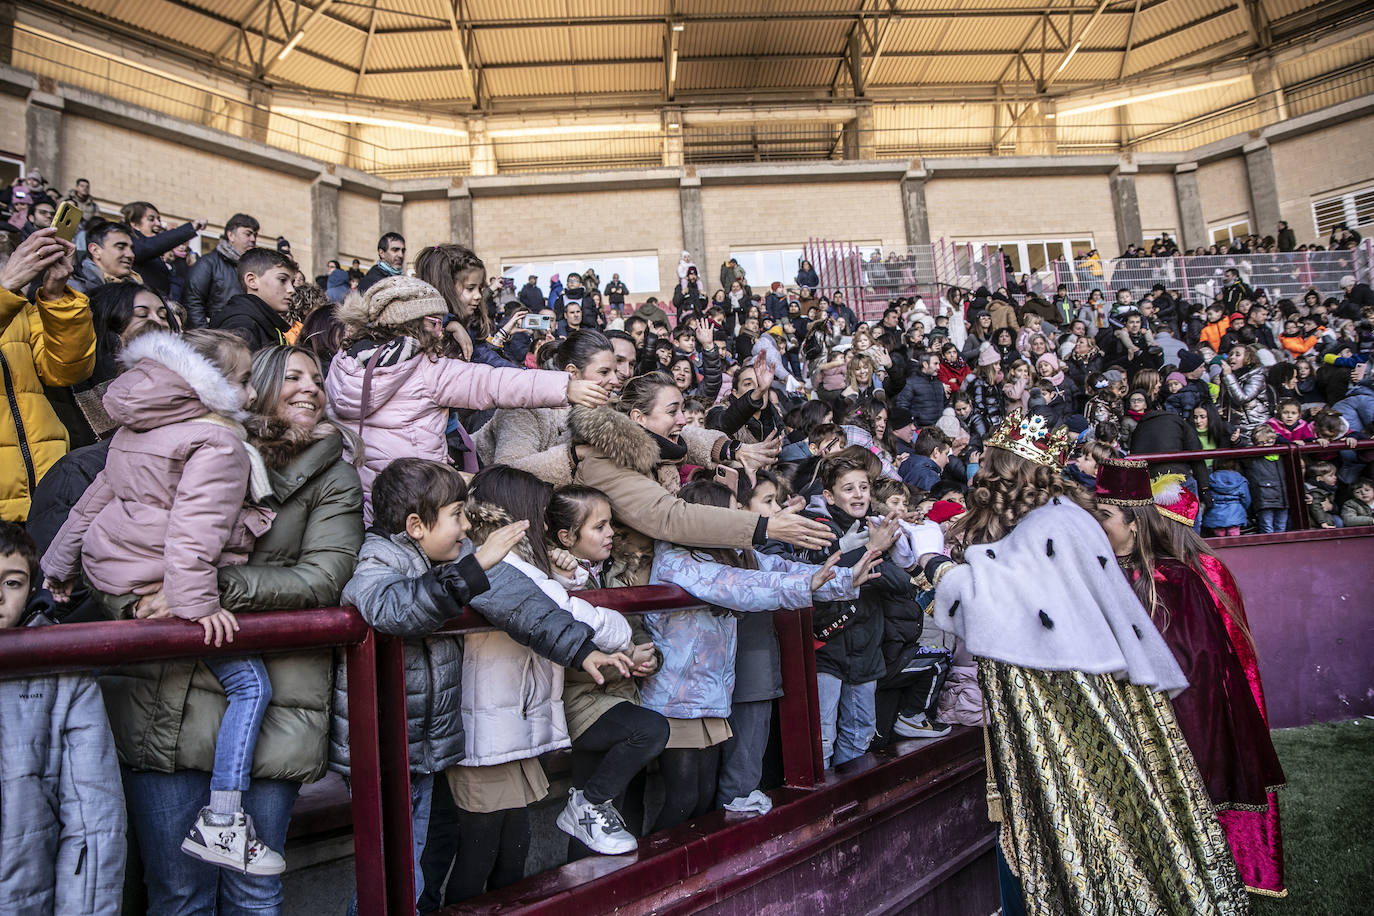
486 518
171 352
280 442
618 437
352 312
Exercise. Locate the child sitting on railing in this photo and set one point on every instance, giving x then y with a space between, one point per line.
166 512
62 810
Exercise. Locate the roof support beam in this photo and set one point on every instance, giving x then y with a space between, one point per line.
856 64
1082 36
1130 38
456 32
367 47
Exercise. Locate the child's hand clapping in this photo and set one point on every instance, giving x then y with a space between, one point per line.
595 661
221 626
499 543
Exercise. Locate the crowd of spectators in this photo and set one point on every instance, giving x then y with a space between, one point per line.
206 437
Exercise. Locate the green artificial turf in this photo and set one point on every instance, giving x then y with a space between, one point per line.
1328 819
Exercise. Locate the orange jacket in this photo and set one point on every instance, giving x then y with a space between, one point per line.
1212 334
1298 345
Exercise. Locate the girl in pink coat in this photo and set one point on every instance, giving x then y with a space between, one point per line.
155 525
396 378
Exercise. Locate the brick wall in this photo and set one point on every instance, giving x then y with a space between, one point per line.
12 125
786 215
1036 207
358 233
1224 187
423 222
1322 164
528 226
1154 193
186 183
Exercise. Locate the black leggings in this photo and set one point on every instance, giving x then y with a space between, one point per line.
689 784
491 849
614 748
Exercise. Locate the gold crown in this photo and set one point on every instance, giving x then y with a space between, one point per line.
1032 439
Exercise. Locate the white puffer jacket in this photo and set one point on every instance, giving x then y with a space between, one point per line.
513 698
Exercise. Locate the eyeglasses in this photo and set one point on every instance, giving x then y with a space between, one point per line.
435 323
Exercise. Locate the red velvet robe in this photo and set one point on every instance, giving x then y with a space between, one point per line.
1223 722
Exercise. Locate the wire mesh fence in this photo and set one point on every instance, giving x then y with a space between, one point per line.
871 277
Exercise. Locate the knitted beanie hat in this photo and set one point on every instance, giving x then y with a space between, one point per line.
987 355
397 300
948 423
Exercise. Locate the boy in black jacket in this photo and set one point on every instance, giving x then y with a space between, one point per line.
258 315
851 660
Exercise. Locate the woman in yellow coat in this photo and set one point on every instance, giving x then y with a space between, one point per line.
50 343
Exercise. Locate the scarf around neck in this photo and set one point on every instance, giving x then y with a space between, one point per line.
387 269
227 251
669 449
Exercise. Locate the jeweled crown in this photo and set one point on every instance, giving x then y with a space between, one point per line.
1032 439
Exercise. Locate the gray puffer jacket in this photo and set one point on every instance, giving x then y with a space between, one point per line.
1245 399
400 593
61 805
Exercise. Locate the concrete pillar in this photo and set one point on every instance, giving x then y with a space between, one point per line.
389 214
1036 132
860 141
672 138
480 149
1192 226
693 221
324 221
1270 103
460 215
258 113
1125 204
1264 189
43 135
914 211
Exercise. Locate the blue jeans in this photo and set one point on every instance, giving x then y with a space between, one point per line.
421 798
248 691
848 718
1272 520
162 807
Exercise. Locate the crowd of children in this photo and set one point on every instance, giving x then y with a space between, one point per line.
767 453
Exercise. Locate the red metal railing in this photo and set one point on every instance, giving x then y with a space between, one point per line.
1290 455
378 746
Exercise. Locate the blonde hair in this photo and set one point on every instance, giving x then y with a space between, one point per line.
851 370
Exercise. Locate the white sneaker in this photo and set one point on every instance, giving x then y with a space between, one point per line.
233 845
753 803
599 827
919 727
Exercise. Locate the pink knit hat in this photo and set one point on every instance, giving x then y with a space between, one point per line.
987 356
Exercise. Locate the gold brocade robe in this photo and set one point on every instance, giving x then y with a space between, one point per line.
1104 809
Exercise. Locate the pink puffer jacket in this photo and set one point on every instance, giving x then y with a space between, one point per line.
408 405
169 507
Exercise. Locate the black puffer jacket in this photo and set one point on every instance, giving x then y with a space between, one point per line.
924 396
214 280
1161 431
253 320
854 631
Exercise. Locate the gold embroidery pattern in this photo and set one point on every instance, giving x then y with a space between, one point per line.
1105 809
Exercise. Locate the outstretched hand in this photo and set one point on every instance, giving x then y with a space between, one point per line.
867 568
763 375
597 659
793 528
883 536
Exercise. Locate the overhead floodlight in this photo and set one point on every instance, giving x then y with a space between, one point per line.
345 117
291 45
679 25
674 126
1147 97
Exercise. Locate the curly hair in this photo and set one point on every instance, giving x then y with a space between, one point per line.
1004 490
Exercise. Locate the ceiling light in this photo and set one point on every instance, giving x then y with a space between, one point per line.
673 125
1068 57
347 118
1147 97
679 25
291 45
553 129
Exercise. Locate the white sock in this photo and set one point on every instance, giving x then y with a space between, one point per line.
225 804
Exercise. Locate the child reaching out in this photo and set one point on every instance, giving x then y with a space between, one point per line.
166 511
396 378
695 686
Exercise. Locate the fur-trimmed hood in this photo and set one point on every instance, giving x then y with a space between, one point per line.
167 381
615 435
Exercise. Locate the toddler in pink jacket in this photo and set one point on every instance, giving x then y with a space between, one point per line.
396 379
165 513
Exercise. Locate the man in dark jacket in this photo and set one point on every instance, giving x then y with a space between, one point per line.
924 394
1287 238
616 291
152 240
215 279
1161 431
924 468
259 315
531 297
1234 291
391 257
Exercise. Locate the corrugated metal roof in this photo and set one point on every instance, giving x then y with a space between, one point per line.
609 53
